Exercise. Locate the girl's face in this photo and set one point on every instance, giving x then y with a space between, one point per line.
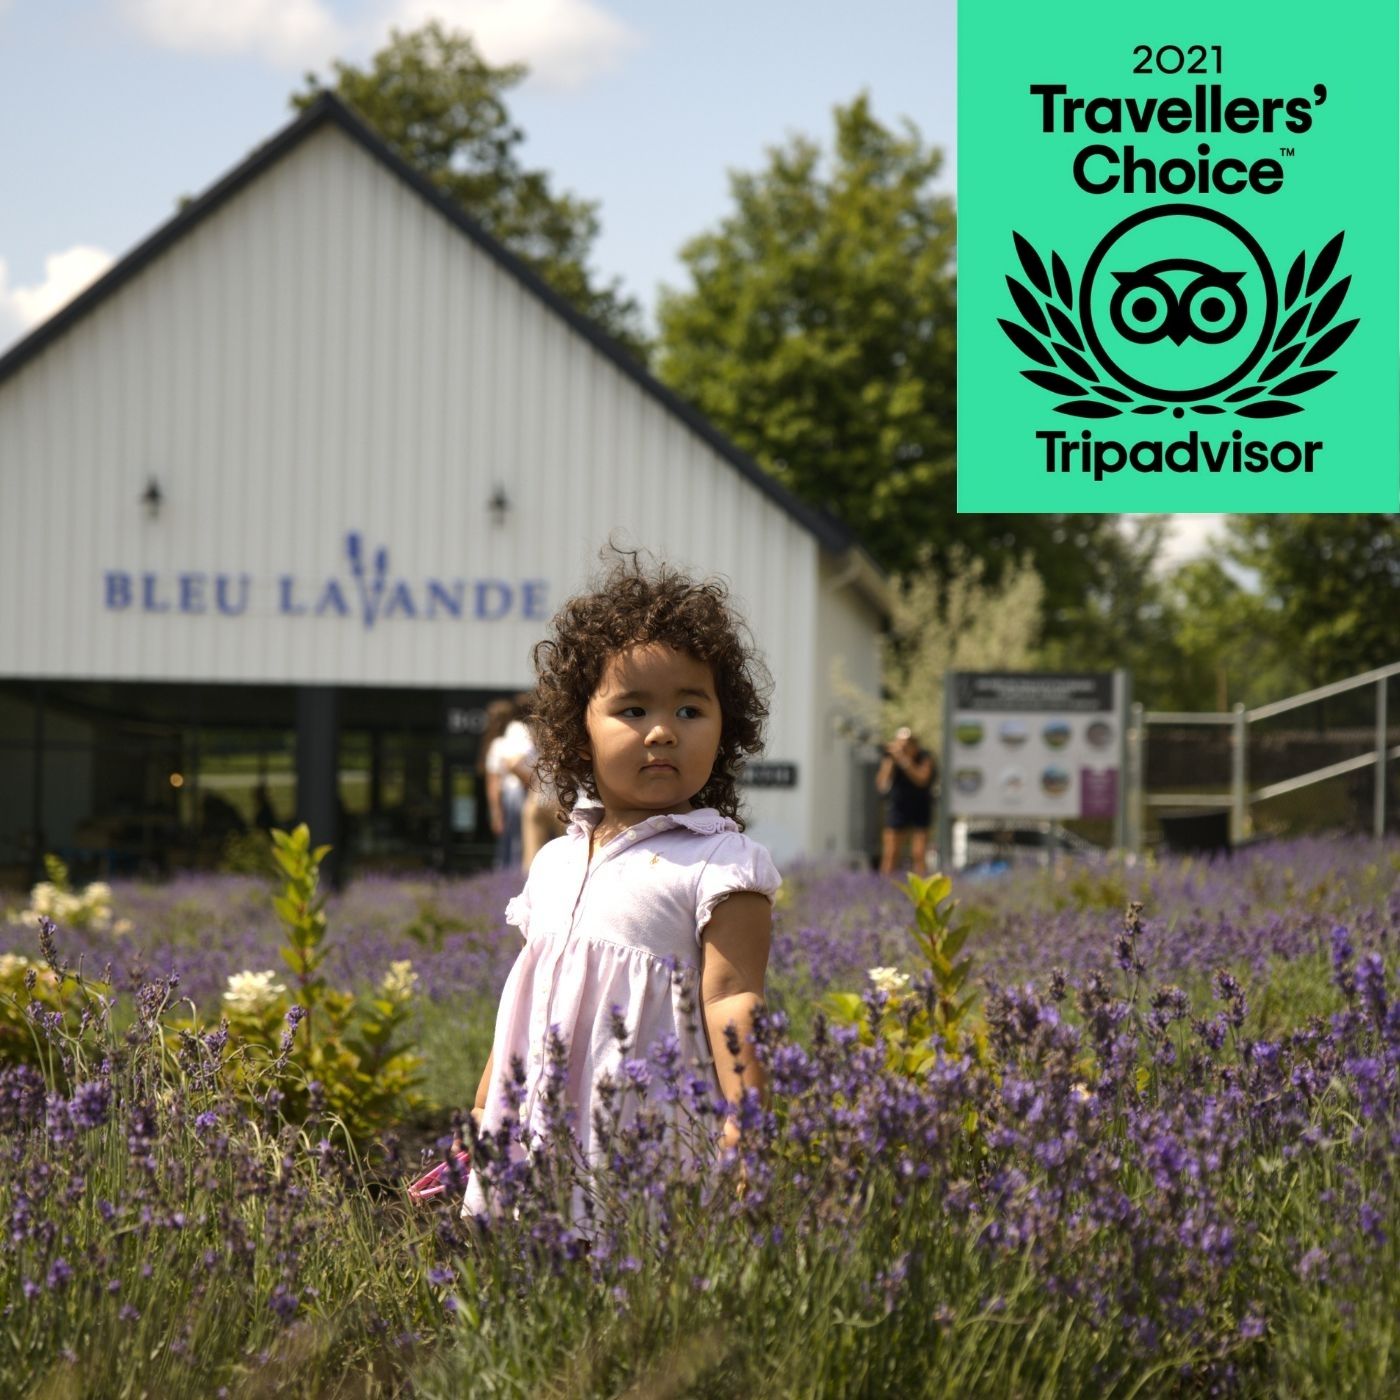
654 730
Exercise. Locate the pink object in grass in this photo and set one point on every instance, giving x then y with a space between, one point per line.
438 1179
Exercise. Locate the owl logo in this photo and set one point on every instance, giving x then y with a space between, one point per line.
1193 316
1209 308
1178 310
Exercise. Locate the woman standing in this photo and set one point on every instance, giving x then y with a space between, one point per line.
905 780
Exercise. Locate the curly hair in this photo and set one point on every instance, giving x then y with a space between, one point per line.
632 606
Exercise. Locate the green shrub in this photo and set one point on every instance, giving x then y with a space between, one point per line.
320 1049
915 1020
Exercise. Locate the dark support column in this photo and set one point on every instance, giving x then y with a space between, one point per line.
194 761
318 753
442 856
376 771
36 854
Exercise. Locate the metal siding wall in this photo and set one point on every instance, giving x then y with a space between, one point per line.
328 353
847 627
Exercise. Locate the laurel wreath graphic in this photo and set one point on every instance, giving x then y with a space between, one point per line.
1050 338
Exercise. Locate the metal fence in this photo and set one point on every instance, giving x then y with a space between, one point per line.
1251 754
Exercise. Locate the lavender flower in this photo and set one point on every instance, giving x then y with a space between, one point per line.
48 945
1370 982
1342 954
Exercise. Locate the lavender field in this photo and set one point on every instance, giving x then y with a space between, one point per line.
1154 1154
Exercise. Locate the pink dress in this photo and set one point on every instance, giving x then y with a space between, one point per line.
610 936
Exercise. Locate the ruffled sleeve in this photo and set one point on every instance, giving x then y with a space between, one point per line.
518 912
737 865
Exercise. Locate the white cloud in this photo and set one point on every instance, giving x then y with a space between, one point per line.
566 43
1190 536
284 33
1187 537
65 275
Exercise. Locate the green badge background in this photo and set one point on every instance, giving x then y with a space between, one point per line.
1013 176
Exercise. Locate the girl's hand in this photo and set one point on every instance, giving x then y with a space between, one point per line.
734 959
730 1137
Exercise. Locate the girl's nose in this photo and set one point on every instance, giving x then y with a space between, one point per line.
661 734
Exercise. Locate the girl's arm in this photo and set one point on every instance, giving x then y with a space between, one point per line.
483 1088
493 803
457 1137
884 775
921 770
734 959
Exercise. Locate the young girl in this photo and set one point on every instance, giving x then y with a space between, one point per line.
649 699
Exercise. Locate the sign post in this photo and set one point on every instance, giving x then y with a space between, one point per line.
1033 745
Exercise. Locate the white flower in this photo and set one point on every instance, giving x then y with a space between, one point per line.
16 965
252 991
90 909
399 982
889 980
13 965
43 899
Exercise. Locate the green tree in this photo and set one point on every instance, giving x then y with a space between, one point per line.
964 623
1331 582
819 333
1124 618
1228 642
438 104
819 330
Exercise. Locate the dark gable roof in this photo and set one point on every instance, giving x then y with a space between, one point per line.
328 108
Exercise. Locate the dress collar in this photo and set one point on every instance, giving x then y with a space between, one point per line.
703 821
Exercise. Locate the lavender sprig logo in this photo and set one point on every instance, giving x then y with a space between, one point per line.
371 591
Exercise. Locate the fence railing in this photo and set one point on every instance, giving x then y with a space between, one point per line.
1240 799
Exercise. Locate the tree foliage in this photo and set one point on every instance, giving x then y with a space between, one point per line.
1331 583
819 333
1228 644
819 330
1124 617
964 623
438 104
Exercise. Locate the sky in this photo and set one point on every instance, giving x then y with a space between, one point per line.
113 110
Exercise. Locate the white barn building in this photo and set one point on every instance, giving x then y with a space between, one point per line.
288 495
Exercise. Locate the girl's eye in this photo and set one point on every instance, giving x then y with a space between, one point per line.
633 712
689 712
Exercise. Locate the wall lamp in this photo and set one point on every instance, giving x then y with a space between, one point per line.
499 505
152 499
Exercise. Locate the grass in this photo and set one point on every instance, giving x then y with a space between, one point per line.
885 1241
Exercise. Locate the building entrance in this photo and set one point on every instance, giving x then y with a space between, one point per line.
136 778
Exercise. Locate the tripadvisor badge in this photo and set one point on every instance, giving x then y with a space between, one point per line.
1177 260
1177 310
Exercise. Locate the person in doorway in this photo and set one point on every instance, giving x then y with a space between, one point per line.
905 780
500 747
264 814
539 816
